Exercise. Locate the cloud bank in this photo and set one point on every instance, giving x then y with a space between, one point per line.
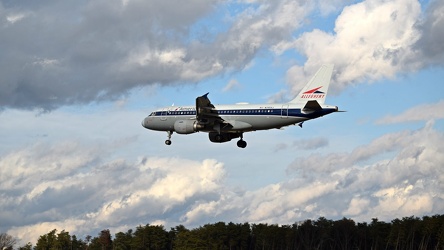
372 39
57 54
75 187
419 113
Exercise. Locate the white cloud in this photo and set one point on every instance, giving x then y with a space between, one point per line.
119 48
289 197
64 187
304 144
18 170
372 39
15 17
395 175
357 206
200 211
430 47
403 200
233 84
423 112
384 182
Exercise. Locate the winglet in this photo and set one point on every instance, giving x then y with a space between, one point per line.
316 89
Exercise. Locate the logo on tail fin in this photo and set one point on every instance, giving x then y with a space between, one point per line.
313 93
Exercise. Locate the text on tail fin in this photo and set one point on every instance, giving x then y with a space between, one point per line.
317 87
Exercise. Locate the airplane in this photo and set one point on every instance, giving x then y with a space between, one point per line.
226 122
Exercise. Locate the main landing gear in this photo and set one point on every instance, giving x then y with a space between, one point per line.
218 138
168 141
241 143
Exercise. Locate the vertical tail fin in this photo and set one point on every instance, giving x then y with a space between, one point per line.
316 89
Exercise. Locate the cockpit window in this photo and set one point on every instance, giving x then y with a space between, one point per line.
153 114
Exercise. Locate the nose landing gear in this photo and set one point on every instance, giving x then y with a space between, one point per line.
168 141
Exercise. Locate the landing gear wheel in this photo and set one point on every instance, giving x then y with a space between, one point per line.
241 143
218 138
168 141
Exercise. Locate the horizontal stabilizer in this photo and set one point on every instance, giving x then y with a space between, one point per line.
312 106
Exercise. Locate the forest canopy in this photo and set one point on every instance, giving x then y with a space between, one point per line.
406 233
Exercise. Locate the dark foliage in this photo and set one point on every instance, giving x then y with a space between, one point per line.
406 233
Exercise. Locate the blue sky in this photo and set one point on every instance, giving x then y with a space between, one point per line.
74 155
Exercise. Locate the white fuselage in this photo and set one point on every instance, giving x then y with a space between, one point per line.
242 117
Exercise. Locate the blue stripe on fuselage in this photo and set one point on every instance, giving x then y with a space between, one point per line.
253 112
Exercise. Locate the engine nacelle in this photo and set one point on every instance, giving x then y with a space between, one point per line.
187 126
222 137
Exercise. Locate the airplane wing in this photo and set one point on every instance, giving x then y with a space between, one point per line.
207 114
204 109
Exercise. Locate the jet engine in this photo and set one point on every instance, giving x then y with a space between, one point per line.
187 126
222 137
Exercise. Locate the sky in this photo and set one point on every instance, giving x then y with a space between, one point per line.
78 77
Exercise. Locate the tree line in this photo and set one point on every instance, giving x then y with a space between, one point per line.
406 233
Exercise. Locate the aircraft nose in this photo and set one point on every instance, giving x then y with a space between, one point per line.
145 122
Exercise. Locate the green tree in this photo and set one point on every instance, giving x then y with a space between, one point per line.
184 239
122 241
63 241
77 244
217 235
94 244
238 235
440 236
398 234
47 241
102 241
150 237
324 232
379 232
344 233
28 246
267 236
307 235
88 239
363 240
57 241
105 239
406 233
